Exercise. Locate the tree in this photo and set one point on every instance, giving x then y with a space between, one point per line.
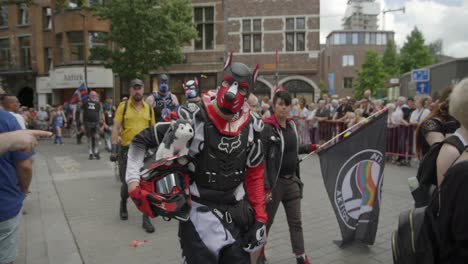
323 88
435 49
414 54
390 60
371 76
149 35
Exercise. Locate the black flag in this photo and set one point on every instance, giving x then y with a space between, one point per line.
352 171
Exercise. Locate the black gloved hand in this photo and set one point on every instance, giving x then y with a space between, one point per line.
113 156
254 239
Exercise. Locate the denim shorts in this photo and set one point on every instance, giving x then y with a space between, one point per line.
9 230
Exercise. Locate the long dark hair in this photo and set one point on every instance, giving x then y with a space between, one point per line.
439 111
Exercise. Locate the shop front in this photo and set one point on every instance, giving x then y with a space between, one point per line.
64 82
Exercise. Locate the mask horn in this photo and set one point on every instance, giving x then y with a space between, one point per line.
255 74
228 61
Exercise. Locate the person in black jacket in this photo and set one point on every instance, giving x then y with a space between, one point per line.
281 150
453 215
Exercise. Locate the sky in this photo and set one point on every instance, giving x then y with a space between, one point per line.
437 19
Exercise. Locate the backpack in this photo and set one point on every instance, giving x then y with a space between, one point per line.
416 240
427 171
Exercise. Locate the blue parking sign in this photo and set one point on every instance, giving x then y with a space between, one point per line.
420 75
422 88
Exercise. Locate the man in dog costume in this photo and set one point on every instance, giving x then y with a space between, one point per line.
227 217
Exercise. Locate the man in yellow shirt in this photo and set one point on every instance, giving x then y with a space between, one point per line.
132 116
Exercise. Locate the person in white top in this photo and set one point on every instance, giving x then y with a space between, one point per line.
10 103
420 113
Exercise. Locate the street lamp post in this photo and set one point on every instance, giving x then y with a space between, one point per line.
402 9
85 51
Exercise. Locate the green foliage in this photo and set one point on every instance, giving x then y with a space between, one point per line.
435 49
323 87
390 60
148 34
414 54
371 76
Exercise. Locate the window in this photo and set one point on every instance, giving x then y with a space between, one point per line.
76 44
384 39
96 2
373 38
379 39
97 39
348 82
355 38
252 35
4 16
348 60
25 52
23 14
204 19
61 52
48 59
295 34
47 18
75 4
4 53
367 39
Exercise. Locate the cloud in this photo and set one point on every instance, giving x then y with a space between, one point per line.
436 19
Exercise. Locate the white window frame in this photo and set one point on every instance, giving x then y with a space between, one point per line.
347 60
47 18
251 32
295 31
23 14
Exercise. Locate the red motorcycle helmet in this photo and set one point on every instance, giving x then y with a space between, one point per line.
168 182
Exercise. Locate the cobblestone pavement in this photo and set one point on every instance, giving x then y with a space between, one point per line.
71 216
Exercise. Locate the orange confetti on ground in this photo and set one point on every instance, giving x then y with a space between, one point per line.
137 243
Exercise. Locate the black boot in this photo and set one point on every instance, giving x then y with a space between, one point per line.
147 225
123 210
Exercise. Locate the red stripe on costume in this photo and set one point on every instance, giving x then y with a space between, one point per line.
254 185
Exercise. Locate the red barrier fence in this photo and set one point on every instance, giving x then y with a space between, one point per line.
400 139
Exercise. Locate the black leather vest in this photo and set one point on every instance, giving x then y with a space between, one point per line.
221 163
160 103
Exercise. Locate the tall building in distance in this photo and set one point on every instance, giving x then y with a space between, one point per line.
361 15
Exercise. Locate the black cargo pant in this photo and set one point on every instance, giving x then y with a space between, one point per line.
288 190
122 171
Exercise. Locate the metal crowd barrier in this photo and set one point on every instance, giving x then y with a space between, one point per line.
400 139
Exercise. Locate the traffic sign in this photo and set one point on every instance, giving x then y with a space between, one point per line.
422 88
420 75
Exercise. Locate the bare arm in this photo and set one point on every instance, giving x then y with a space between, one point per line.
434 137
115 138
447 156
21 140
149 100
24 174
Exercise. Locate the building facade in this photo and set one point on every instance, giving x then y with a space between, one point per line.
344 55
254 31
47 47
44 46
25 42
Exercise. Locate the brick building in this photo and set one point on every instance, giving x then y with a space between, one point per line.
254 30
25 36
42 59
344 54
43 47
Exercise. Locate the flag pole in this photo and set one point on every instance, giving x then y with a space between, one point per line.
342 133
